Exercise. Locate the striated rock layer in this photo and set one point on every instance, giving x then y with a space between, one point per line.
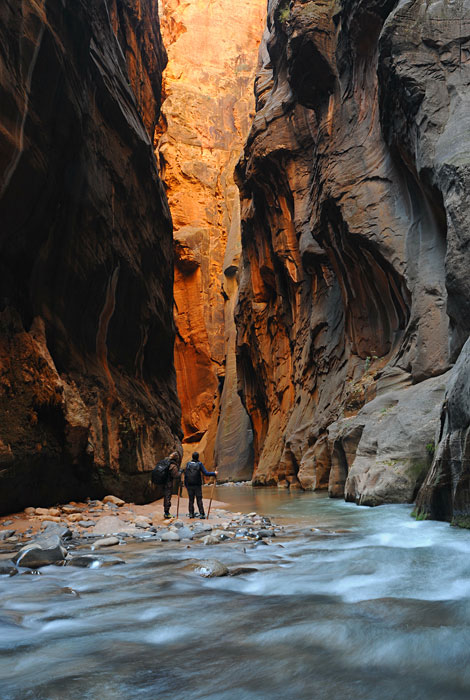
87 386
206 115
353 293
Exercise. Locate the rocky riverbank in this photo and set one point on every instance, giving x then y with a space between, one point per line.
95 534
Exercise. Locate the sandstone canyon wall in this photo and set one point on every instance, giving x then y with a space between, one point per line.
206 115
354 292
87 386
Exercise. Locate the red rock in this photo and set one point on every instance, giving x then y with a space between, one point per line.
208 87
87 386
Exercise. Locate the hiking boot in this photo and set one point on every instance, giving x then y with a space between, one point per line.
167 516
191 515
201 516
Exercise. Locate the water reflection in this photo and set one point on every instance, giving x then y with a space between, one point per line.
376 606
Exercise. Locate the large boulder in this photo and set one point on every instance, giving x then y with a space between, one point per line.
445 494
386 449
41 552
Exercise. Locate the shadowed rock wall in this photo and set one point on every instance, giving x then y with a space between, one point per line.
354 203
206 115
87 386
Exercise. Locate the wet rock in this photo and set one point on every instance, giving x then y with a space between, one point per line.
5 534
57 529
7 568
185 533
106 542
86 523
202 527
266 533
210 539
114 500
241 570
41 552
89 561
112 525
208 568
178 523
170 536
223 534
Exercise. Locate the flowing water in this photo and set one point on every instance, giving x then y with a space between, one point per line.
373 605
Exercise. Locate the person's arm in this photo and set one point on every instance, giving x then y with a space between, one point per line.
205 472
174 471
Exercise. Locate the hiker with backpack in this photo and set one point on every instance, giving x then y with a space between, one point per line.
193 482
164 474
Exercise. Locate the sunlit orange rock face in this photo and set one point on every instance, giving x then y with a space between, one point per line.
208 103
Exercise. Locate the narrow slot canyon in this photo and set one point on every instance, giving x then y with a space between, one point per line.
208 105
234 349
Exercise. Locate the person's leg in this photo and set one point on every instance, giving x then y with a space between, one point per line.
191 494
167 497
200 503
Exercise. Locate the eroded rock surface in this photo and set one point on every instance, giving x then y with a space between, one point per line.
355 225
87 386
206 116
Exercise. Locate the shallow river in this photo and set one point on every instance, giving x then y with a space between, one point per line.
378 611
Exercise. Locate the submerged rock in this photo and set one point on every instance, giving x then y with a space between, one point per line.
7 568
210 539
208 568
106 542
89 561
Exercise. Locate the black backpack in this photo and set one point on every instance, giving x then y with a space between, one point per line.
161 472
192 476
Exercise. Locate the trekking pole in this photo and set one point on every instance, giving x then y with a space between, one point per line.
178 504
212 496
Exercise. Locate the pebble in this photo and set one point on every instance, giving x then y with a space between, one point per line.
185 533
208 568
7 522
71 510
223 534
114 500
142 521
7 568
89 561
210 539
106 542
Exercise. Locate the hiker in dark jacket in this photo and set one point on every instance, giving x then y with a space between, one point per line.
193 483
173 473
